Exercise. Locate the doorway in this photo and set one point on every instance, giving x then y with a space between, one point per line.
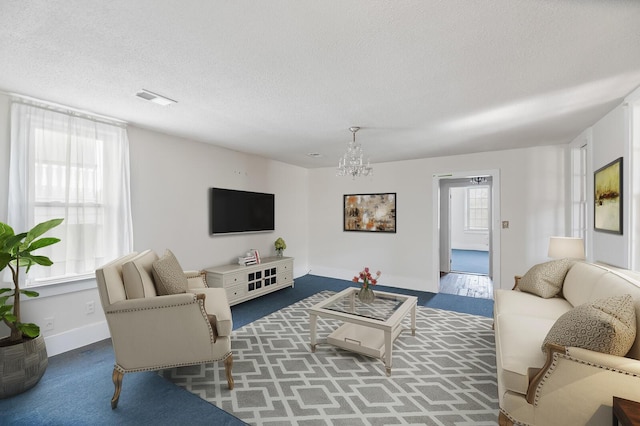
469 228
467 260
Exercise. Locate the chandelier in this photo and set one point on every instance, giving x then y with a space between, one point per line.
478 180
351 164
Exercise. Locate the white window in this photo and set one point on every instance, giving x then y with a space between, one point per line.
579 192
477 211
73 167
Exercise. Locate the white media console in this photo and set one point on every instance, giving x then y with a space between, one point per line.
247 282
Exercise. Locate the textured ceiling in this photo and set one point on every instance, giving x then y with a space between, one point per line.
285 78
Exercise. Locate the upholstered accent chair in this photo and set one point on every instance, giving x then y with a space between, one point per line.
153 332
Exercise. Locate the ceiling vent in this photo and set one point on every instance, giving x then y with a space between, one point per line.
155 98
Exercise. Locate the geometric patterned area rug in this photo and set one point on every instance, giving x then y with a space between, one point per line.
444 375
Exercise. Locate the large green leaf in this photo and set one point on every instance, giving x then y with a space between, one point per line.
40 260
13 242
4 290
5 232
40 229
42 242
29 329
4 310
30 293
29 260
5 258
25 261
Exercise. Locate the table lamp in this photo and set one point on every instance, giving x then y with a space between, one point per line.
566 247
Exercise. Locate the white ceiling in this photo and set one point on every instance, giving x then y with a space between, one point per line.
284 78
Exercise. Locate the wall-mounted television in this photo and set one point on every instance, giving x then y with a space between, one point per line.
232 211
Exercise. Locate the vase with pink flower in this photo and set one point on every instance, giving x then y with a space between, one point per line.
366 294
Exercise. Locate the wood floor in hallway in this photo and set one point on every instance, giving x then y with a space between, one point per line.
471 285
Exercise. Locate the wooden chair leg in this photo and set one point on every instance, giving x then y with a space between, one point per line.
504 420
228 364
117 381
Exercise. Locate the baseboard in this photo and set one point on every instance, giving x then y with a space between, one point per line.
387 279
76 338
472 247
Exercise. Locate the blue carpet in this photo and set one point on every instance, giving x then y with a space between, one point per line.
472 261
76 389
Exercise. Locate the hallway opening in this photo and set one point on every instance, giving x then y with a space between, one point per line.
467 233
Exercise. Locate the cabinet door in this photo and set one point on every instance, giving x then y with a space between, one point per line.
255 280
270 276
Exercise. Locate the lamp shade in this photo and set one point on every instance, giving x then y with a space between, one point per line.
566 247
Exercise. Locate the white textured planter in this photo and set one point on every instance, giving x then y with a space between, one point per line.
22 366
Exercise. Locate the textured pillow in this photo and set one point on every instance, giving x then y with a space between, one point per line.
605 325
545 279
169 276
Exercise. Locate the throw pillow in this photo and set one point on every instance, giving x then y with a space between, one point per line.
605 325
546 279
169 276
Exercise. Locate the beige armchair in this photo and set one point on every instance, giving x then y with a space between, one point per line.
153 332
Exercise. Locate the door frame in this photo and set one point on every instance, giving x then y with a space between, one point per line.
494 240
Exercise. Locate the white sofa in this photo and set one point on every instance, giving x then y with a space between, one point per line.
563 385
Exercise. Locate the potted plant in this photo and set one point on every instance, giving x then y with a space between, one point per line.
23 354
280 246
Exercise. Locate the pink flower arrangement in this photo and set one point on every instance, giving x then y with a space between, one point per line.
367 278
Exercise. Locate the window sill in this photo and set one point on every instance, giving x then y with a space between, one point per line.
65 285
476 231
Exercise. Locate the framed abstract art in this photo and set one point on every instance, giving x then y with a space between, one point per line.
370 212
607 196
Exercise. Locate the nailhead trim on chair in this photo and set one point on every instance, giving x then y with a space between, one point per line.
549 370
569 357
212 337
196 274
195 299
515 422
152 308
162 367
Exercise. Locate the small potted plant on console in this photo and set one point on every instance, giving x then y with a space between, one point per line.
280 246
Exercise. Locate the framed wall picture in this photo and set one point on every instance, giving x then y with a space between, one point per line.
607 196
370 212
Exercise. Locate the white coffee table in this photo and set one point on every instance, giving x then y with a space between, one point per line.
369 328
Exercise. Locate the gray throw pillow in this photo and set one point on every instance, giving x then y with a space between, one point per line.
546 279
168 275
605 325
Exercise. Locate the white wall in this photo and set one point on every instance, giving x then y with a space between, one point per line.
633 115
532 199
170 179
5 135
169 182
610 141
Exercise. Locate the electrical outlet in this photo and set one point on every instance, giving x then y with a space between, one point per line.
505 224
90 307
48 324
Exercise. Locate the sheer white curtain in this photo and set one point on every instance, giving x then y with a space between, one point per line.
71 166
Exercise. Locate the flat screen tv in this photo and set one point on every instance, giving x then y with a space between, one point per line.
233 211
